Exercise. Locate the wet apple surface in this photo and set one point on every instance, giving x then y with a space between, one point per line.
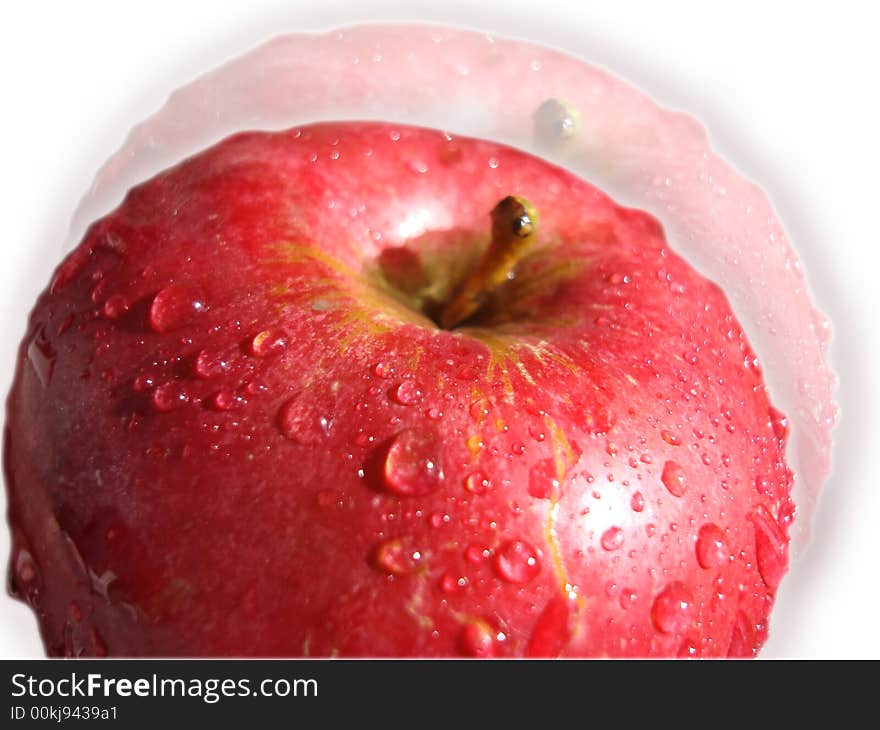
237 427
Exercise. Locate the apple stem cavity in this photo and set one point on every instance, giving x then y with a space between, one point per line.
514 229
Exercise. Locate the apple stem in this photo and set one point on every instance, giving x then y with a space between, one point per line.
514 225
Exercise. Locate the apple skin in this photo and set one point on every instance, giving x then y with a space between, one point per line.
232 433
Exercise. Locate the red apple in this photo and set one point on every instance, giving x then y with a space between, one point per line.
236 429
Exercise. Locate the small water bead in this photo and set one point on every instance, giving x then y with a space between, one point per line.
434 413
412 464
174 307
439 518
226 401
25 568
407 393
395 557
628 596
711 546
302 422
543 483
688 649
477 483
381 370
268 343
516 561
537 433
477 639
780 423
670 438
671 611
452 583
208 365
115 307
169 396
480 409
612 539
476 554
637 502
674 479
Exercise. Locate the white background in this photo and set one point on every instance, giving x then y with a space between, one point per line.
787 90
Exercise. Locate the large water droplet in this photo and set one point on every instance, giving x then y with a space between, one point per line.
42 356
174 307
517 562
771 548
407 393
673 479
302 421
712 549
612 539
551 632
412 463
671 612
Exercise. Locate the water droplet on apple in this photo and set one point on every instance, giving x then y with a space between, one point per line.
612 539
476 554
670 438
452 582
480 409
434 413
771 548
671 611
412 463
628 596
674 479
208 365
551 632
174 307
26 571
268 343
42 356
637 502
780 423
396 557
517 562
168 397
712 549
407 393
302 421
537 433
543 483
688 649
477 639
226 401
114 307
381 370
143 383
477 483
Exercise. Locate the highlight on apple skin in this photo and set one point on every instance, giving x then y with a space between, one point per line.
236 428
